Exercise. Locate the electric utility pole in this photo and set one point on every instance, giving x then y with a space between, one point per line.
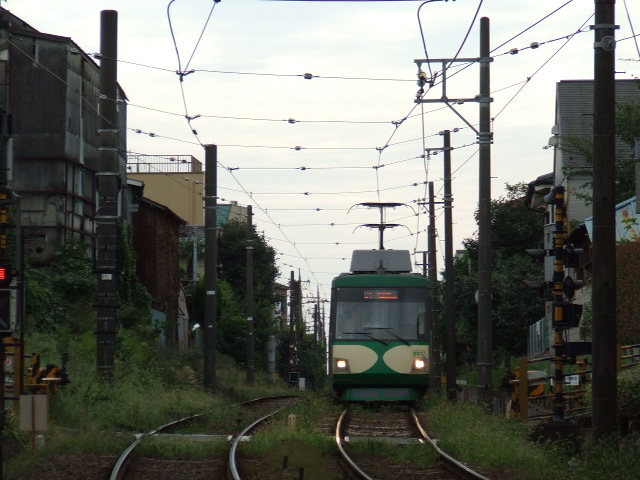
250 306
109 183
485 340
605 415
436 368
485 138
210 265
449 299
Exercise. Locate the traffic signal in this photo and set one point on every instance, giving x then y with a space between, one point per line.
571 256
570 286
4 219
537 285
5 297
537 254
571 314
5 274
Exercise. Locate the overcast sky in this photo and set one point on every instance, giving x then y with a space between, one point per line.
362 136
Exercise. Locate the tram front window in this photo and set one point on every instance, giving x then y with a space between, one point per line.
382 314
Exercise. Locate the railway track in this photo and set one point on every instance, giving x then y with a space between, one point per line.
401 428
396 427
129 466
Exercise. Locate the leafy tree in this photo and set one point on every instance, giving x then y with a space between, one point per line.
628 121
313 359
134 299
231 294
514 227
59 296
232 325
232 258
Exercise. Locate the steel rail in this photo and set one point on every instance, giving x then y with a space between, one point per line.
118 469
342 451
459 467
238 438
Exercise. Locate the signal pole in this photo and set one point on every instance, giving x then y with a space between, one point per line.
558 310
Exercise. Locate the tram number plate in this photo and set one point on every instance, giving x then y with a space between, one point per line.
419 353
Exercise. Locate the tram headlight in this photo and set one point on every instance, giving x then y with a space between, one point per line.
341 364
419 364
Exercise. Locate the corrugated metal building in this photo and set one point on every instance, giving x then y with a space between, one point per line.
574 124
50 88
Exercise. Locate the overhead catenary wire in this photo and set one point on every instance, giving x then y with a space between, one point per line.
385 160
539 69
635 39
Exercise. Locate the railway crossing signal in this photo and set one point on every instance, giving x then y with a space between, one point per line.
565 313
538 254
571 255
537 285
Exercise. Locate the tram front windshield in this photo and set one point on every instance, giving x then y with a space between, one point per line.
381 313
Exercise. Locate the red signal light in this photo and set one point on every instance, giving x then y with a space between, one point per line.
5 274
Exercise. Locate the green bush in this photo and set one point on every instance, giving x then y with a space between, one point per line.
629 392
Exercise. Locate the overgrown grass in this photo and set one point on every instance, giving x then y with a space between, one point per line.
467 432
61 441
152 386
292 444
416 455
613 460
181 449
156 385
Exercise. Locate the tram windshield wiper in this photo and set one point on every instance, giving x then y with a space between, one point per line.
366 335
389 330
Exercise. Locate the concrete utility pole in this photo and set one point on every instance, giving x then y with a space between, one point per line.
449 299
109 184
250 306
485 336
484 208
605 414
210 265
436 368
294 359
